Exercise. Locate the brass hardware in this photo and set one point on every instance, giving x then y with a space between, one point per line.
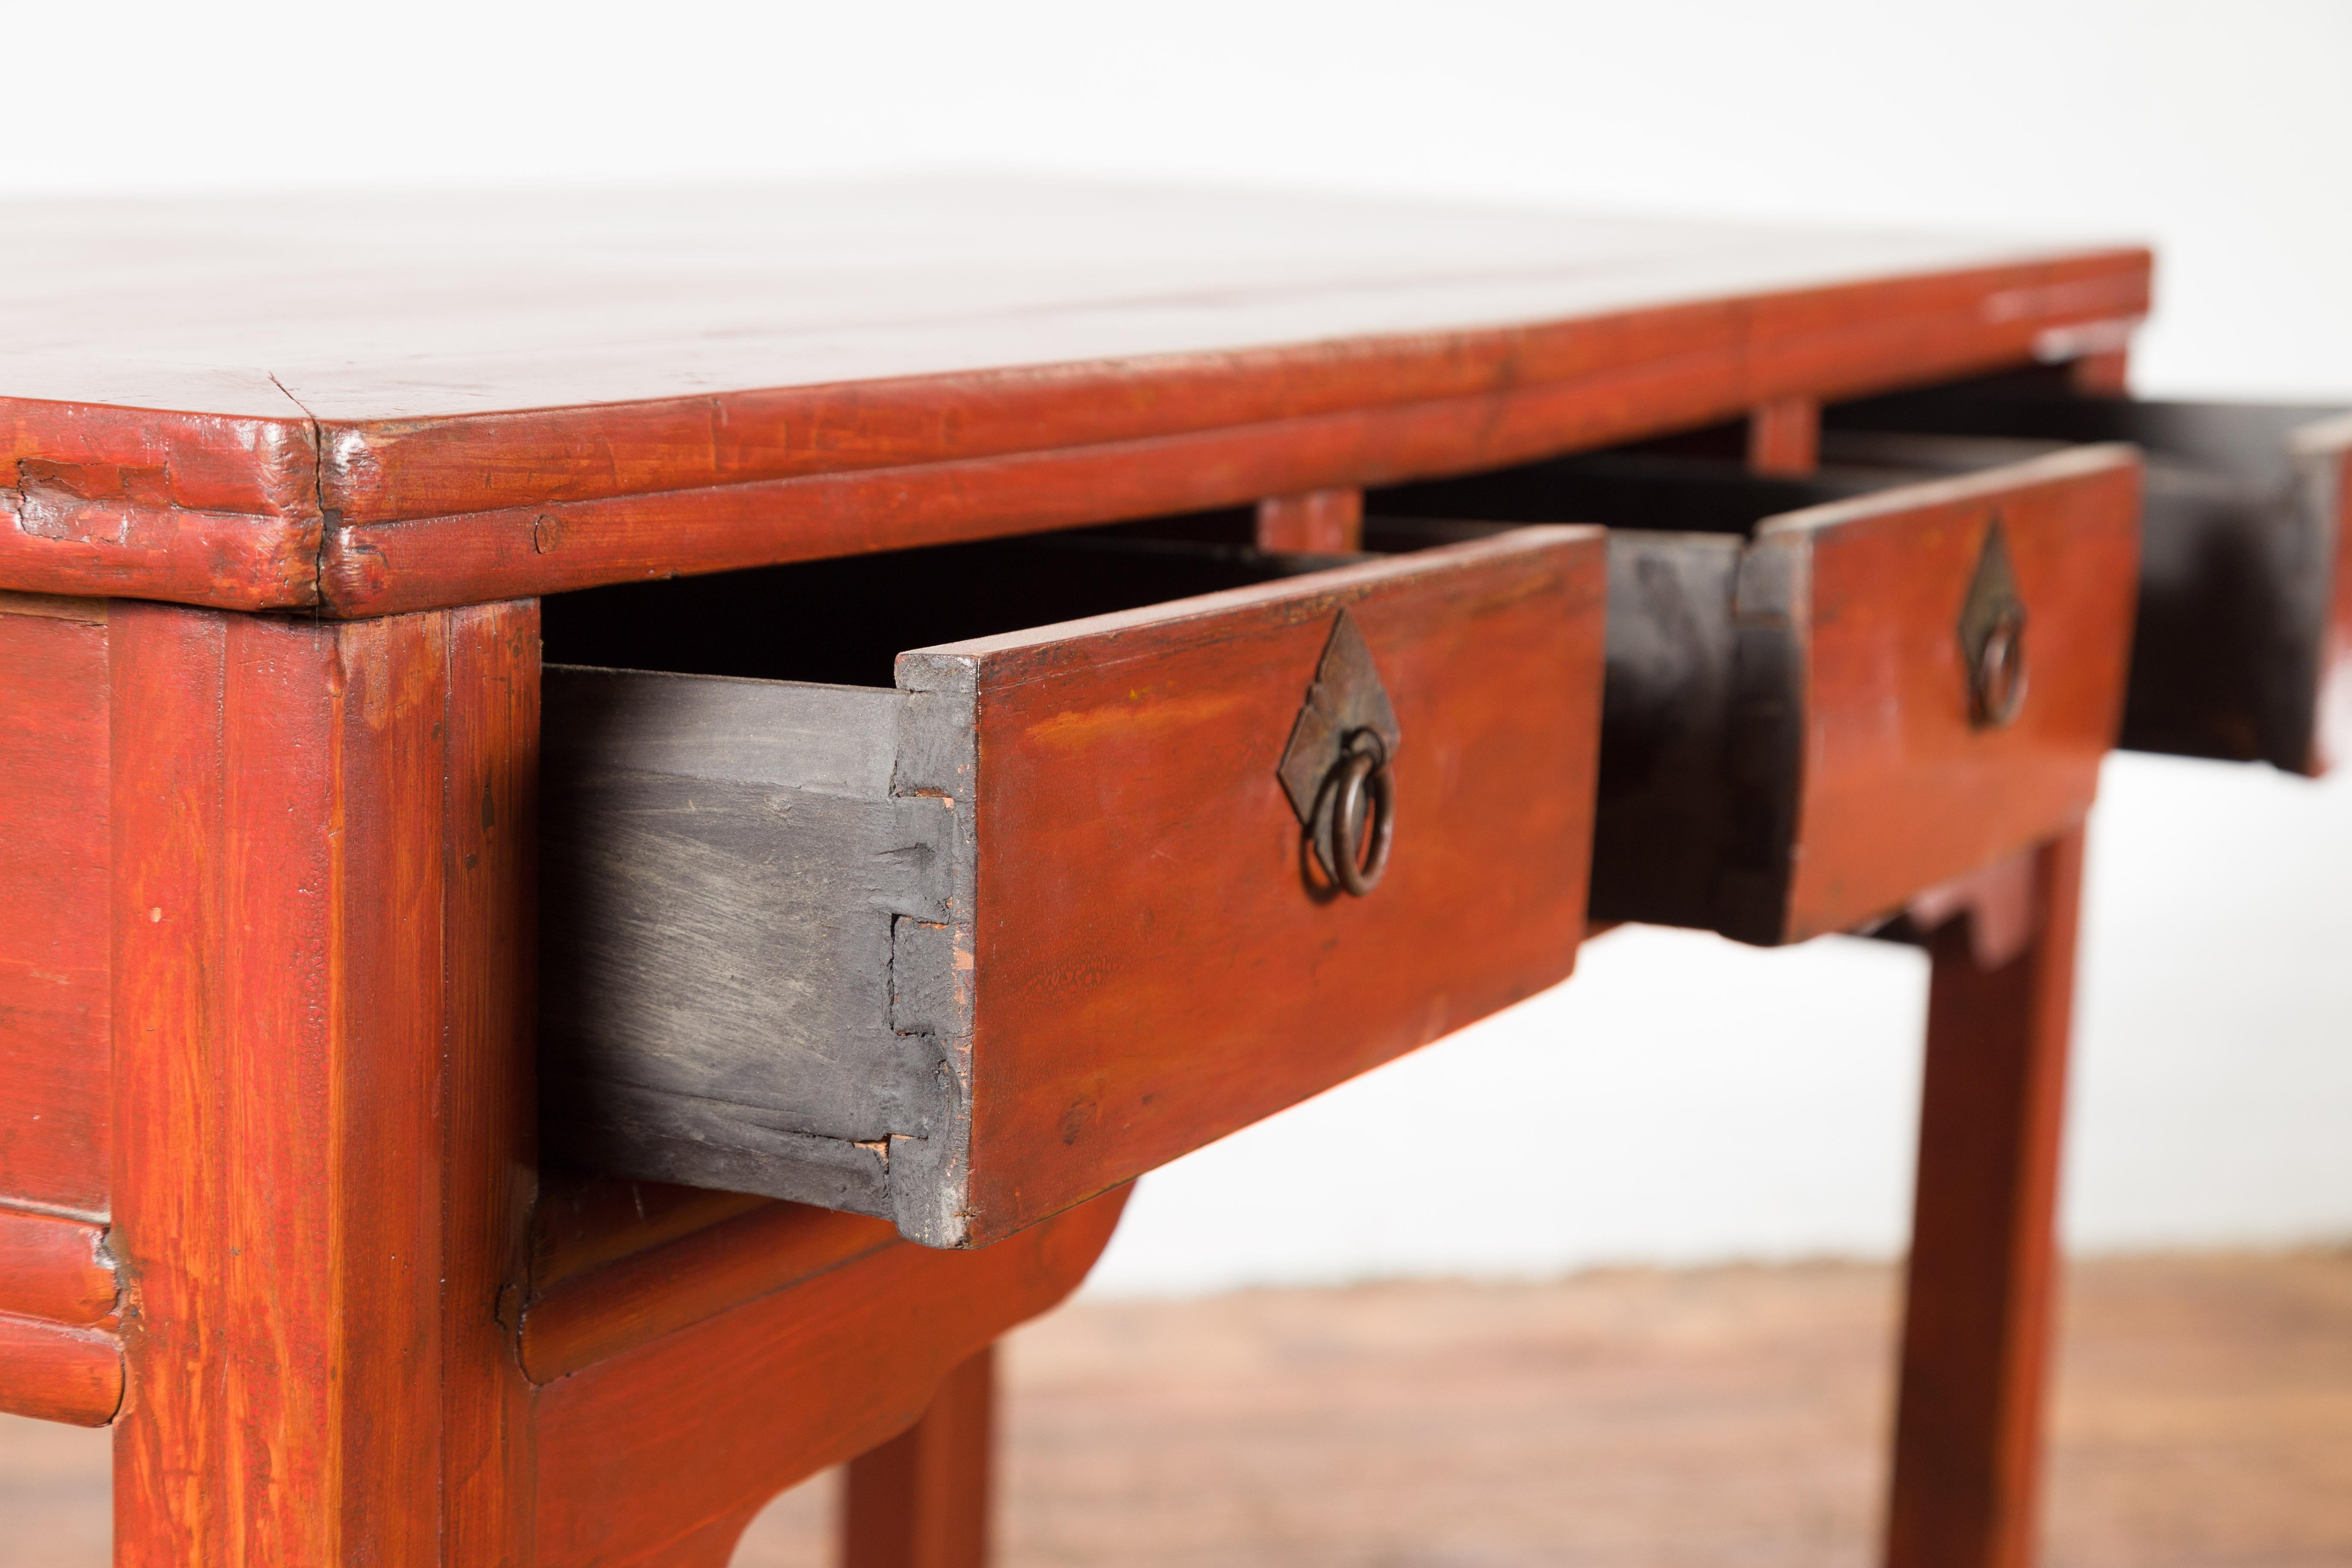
1992 636
1336 768
1364 788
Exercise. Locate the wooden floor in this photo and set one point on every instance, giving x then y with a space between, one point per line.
1718 1417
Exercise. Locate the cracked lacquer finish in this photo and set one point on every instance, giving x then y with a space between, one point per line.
200 508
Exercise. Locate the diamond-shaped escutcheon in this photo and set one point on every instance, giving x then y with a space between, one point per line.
1345 699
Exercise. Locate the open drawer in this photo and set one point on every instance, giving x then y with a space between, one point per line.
963 936
1827 697
2245 646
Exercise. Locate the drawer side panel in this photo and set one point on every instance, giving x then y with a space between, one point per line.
717 935
2324 488
1666 803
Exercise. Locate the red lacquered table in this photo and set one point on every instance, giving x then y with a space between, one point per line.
290 484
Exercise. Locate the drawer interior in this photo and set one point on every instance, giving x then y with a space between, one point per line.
1693 796
905 886
1630 489
694 829
2245 443
2242 534
844 621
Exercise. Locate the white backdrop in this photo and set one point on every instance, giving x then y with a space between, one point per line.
1684 1099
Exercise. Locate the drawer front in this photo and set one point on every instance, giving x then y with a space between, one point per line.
2245 608
1914 761
967 952
1789 744
1156 960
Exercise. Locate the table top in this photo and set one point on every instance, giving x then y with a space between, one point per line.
382 403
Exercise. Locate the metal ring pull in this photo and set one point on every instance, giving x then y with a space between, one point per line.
1997 683
1364 790
1993 635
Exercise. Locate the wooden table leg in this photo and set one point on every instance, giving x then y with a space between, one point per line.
922 1500
321 886
1967 1441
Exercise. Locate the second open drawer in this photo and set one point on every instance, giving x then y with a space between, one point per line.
1829 696
964 937
2244 643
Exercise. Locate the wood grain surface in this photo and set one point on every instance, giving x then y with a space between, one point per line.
403 402
726 860
321 884
658 1290
583 1222
54 1126
483 1130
